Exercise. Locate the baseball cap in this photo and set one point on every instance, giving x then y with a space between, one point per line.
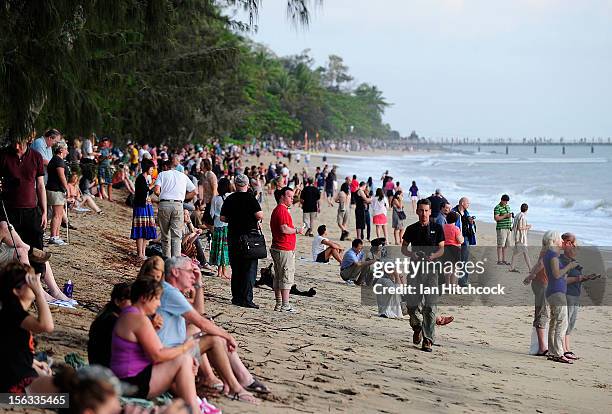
241 180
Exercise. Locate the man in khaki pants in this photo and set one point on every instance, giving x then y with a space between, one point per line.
172 187
283 250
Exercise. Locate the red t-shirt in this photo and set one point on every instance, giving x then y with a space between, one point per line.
354 186
450 235
20 177
281 241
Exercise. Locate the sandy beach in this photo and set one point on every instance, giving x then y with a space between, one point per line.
339 356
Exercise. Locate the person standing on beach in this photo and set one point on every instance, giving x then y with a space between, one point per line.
445 208
172 187
414 195
283 250
503 217
556 291
207 187
242 213
330 179
436 201
309 200
426 242
343 200
520 228
361 199
467 224
143 215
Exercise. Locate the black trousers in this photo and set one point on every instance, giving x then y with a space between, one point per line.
244 274
26 222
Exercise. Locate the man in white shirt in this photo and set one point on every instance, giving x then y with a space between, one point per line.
173 188
520 229
323 248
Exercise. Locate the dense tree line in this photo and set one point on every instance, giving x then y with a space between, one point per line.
169 70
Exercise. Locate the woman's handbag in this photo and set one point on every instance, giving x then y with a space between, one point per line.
401 214
253 245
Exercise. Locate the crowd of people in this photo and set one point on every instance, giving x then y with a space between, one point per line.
197 201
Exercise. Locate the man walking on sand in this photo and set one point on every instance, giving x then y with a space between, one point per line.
283 250
426 241
310 199
172 187
520 228
503 217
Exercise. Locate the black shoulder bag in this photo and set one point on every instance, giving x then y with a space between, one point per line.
253 245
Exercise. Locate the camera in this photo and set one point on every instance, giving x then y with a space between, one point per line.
420 255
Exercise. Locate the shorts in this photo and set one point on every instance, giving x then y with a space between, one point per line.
503 237
284 268
573 303
140 381
360 221
520 248
207 218
321 258
133 167
7 253
414 198
452 254
119 185
380 219
342 217
389 193
105 174
55 198
329 192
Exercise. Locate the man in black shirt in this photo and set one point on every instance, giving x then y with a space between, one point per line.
423 241
309 199
242 213
436 200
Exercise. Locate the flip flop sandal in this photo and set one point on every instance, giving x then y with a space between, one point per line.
445 320
258 387
570 355
243 396
543 353
562 360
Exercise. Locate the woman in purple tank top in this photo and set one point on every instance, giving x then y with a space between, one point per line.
138 356
555 295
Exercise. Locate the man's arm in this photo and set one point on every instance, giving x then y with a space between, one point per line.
42 200
190 194
331 244
438 253
286 229
194 318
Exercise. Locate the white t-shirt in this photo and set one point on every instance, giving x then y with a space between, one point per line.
318 246
520 236
379 207
173 185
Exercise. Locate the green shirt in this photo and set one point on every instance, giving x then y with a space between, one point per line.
500 210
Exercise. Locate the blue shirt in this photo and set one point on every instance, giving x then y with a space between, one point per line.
173 306
554 285
573 289
40 146
441 219
351 257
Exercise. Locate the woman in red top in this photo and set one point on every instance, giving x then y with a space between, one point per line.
453 239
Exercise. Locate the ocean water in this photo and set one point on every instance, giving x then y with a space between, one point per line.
571 192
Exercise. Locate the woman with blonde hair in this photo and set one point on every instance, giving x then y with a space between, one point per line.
556 295
77 199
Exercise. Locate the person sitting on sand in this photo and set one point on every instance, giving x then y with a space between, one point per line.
121 179
139 358
19 289
101 329
354 268
76 199
12 247
323 248
216 344
152 267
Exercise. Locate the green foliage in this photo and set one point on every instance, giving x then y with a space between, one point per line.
171 71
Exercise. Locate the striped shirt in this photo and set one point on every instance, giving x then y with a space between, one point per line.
499 211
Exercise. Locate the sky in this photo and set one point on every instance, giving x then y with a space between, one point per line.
467 68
